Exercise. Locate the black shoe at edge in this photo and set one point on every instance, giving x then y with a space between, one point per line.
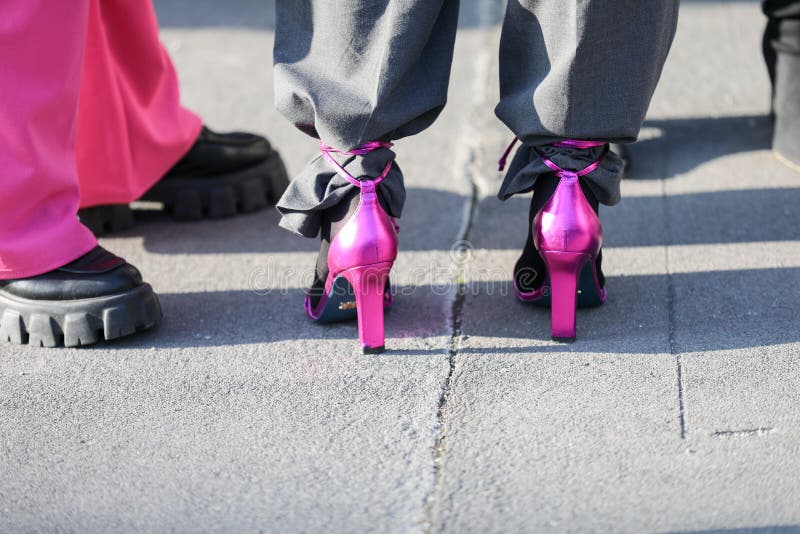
222 175
98 296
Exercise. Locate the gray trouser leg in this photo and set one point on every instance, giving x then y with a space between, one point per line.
582 70
352 71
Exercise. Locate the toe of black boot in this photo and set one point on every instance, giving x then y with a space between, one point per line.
220 153
98 296
786 141
222 175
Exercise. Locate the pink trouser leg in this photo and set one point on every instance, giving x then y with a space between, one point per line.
131 126
41 45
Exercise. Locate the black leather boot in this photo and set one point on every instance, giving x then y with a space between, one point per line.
222 174
782 55
98 296
786 137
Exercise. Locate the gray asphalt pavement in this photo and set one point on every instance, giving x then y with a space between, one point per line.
675 411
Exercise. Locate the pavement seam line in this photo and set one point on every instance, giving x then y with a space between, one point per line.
456 318
461 252
671 309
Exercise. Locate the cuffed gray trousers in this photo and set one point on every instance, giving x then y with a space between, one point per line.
352 71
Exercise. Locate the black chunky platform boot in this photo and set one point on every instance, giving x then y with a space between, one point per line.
222 175
98 296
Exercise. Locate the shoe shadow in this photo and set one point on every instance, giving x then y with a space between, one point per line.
653 159
716 217
422 227
709 311
694 218
705 311
241 317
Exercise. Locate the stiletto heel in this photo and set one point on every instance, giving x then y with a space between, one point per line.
368 284
564 268
359 260
567 234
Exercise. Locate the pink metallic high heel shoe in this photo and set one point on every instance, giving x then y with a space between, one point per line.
568 236
359 260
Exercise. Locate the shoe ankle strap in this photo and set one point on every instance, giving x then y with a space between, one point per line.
566 143
586 170
578 143
360 150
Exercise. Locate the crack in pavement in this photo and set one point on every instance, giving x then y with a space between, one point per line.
467 168
456 316
460 251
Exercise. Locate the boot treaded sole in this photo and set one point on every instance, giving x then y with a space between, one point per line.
194 198
80 322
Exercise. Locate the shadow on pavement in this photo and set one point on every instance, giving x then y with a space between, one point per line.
716 310
717 217
654 159
250 14
431 219
242 317
260 14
